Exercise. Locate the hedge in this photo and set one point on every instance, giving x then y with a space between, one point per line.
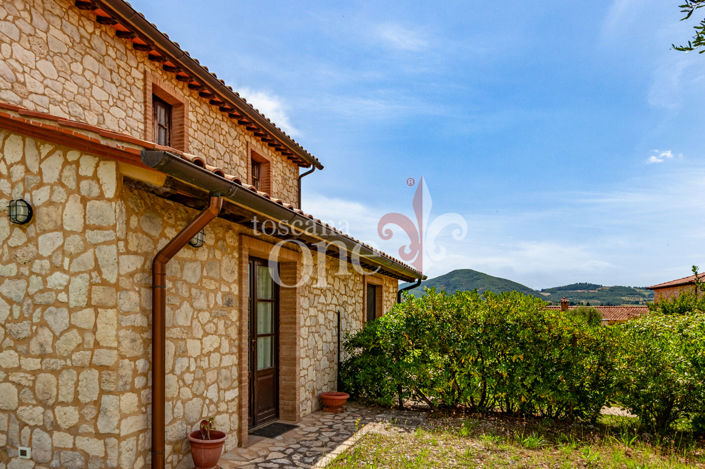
507 352
485 352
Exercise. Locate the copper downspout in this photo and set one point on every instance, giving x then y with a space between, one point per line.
301 176
158 323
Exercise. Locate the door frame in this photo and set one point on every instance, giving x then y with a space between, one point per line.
290 393
254 261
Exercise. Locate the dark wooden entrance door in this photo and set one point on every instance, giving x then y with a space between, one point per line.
372 291
264 341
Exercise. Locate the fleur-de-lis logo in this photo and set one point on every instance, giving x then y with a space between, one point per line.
422 234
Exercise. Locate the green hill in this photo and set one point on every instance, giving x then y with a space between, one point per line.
578 293
596 295
468 279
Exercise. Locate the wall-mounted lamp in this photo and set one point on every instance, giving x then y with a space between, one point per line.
20 211
198 240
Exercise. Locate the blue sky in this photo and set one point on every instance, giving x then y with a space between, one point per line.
568 135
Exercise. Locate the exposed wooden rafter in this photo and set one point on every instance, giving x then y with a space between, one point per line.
108 13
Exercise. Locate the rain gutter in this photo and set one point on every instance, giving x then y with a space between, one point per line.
192 174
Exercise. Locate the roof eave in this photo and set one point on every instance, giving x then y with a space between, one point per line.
136 20
192 174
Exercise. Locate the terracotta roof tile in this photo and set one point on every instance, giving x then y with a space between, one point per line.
615 313
675 283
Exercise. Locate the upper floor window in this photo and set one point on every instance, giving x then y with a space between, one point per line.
260 176
162 121
256 174
165 113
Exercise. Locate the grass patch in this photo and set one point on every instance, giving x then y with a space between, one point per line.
496 441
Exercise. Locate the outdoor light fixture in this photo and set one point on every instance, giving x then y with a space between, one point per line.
198 240
20 211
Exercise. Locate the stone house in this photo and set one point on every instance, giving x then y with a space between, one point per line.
155 264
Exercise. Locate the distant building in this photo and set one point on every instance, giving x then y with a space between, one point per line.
674 288
610 314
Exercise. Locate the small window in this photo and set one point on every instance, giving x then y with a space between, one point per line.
162 121
372 301
256 174
260 173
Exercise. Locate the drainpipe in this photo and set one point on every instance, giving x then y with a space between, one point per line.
300 177
408 287
158 323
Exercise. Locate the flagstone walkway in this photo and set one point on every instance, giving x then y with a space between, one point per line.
319 434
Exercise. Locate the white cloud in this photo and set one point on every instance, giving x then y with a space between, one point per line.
619 15
271 106
658 156
644 230
667 85
396 36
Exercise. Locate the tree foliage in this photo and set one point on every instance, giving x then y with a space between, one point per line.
661 372
587 314
698 41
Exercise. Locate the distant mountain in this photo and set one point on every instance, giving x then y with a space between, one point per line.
468 279
578 293
573 286
596 295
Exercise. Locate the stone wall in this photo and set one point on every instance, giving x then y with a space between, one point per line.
55 58
320 300
202 318
59 378
75 309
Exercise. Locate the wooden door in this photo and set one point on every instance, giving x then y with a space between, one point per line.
372 292
264 344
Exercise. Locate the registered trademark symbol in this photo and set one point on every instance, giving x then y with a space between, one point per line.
410 182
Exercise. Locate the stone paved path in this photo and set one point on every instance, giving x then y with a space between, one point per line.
318 435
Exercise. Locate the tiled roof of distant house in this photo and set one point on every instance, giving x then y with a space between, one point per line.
676 283
615 313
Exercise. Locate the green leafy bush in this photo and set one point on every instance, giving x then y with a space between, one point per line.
685 303
591 316
484 352
661 372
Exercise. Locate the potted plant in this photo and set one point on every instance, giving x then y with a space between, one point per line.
206 444
334 401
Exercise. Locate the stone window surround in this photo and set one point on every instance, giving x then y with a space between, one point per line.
155 86
289 323
378 281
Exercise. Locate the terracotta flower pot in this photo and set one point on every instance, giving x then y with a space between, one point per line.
334 401
206 453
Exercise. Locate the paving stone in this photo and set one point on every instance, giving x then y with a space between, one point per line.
318 435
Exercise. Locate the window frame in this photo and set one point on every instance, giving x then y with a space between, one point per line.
155 86
378 285
264 182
